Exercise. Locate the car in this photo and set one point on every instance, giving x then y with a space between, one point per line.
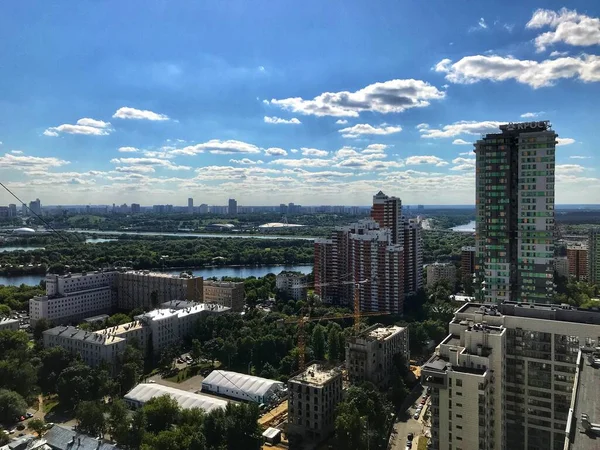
410 436
29 415
6 432
423 401
20 427
12 431
179 361
408 444
49 425
21 419
416 416
151 381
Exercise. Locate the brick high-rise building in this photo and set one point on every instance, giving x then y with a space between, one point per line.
515 213
467 261
387 212
594 256
577 257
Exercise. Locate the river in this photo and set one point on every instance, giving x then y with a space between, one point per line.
466 228
225 271
194 235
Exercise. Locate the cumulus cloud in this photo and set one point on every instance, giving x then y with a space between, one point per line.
275 151
246 161
464 161
302 162
472 69
16 152
579 157
375 148
30 163
569 168
86 126
279 120
564 141
425 159
530 115
341 121
138 114
463 167
568 27
556 54
422 126
129 150
217 146
462 127
294 150
313 152
135 169
461 142
149 162
365 129
388 97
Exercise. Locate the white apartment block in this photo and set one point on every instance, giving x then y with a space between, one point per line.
370 355
293 283
503 378
561 266
437 272
9 324
225 293
312 398
74 297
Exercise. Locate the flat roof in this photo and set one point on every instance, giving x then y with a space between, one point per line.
223 283
384 333
124 328
147 273
317 374
586 401
198 308
144 392
91 337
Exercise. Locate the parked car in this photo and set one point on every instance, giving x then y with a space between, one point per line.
49 425
416 416
21 419
408 444
29 415
410 436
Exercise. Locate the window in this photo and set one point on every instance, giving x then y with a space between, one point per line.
459 383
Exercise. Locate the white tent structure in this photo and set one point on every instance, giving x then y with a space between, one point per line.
144 392
241 386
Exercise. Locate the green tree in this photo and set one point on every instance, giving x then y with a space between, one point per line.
38 426
213 348
76 383
53 361
11 405
161 412
5 311
318 342
40 326
268 371
333 344
196 351
13 344
118 422
139 422
349 428
90 418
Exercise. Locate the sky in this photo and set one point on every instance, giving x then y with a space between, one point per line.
268 102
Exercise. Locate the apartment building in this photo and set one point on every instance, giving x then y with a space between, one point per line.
577 258
413 256
145 289
515 213
370 355
467 261
9 324
503 378
312 398
437 272
594 256
73 297
225 293
292 283
332 269
561 266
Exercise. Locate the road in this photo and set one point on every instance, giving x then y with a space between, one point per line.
406 424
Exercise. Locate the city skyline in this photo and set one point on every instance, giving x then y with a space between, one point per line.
159 111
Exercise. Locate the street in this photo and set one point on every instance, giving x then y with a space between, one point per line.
406 424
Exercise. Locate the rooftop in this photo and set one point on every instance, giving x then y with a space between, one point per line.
438 363
317 374
79 275
585 401
6 320
147 273
120 329
249 384
223 283
143 393
62 438
382 333
197 309
82 335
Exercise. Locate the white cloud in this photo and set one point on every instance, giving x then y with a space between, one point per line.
464 161
462 127
461 142
568 27
529 115
275 151
463 167
364 129
425 159
579 157
246 161
279 120
481 25
472 69
294 150
139 114
302 162
556 53
388 97
217 146
569 168
422 126
375 148
368 165
85 126
261 68
314 152
149 162
16 152
135 169
341 121
129 150
466 154
565 141
30 163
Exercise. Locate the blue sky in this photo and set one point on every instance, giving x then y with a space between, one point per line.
276 101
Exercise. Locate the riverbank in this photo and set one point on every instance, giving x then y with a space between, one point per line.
189 234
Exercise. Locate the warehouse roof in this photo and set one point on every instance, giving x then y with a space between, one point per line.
143 393
249 384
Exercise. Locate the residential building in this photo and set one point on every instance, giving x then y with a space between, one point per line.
292 283
594 256
203 208
413 256
135 208
577 257
7 323
283 208
190 208
4 212
561 266
35 207
313 395
74 297
12 210
467 261
59 437
503 377
437 272
225 293
515 213
387 212
142 288
232 207
370 355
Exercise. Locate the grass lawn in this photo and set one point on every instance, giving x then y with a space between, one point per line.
422 443
49 404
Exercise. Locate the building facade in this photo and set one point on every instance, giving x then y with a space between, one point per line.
437 272
232 207
503 377
312 398
9 324
413 256
387 212
594 256
467 261
225 293
190 207
561 266
577 257
515 213
292 283
136 208
370 355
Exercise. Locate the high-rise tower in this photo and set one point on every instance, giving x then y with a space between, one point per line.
515 213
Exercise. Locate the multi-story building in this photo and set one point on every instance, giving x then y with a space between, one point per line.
292 283
437 272
135 208
12 210
577 257
332 268
467 261
413 256
203 208
142 288
594 256
312 398
232 207
225 293
561 266
35 207
503 378
515 213
190 208
387 212
370 355
3 212
7 323
73 297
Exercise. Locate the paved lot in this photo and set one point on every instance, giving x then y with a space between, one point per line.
405 424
